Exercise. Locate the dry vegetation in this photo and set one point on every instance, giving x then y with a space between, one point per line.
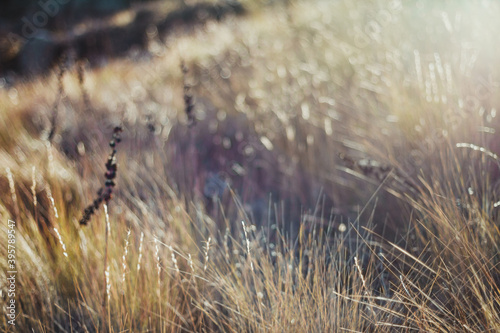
341 176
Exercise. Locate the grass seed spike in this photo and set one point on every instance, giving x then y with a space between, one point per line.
105 193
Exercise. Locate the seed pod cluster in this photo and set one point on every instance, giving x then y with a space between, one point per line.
62 68
105 193
379 171
188 96
80 71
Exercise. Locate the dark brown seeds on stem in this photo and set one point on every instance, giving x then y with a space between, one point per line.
105 193
188 97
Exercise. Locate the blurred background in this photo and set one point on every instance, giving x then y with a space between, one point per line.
35 34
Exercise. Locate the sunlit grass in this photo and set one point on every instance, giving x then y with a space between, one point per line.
356 147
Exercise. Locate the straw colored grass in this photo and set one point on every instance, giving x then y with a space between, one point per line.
341 176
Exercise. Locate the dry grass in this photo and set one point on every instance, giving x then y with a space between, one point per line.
341 176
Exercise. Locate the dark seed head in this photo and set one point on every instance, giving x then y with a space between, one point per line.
110 174
105 193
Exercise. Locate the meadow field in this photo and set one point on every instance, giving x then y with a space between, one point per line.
283 166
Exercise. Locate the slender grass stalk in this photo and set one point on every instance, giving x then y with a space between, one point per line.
107 281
